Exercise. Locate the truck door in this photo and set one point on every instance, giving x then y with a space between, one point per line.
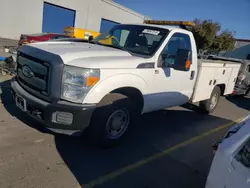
173 87
240 169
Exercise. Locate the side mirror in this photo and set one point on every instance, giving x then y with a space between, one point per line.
182 60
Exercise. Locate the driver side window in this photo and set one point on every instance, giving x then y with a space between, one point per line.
177 41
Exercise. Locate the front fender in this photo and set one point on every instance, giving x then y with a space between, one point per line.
106 86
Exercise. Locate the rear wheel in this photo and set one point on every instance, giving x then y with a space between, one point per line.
210 104
111 120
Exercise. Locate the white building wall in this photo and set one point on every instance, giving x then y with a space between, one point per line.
241 43
110 11
20 16
25 16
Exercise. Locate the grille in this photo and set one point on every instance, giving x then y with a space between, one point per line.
33 75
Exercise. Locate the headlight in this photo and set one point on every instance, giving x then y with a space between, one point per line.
76 82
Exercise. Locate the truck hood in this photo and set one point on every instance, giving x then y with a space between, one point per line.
90 55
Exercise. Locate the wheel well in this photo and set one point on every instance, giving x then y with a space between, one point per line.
134 94
222 88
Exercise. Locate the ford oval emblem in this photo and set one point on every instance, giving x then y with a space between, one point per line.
27 72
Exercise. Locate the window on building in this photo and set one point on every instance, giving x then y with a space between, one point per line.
106 25
52 18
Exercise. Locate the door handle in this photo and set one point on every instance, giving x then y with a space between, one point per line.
192 75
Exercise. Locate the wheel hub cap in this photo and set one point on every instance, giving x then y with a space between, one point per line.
214 100
117 124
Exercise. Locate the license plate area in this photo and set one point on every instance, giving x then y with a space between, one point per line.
21 103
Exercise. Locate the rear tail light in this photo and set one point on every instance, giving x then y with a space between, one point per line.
241 78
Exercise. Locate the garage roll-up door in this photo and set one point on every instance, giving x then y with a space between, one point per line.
55 18
106 25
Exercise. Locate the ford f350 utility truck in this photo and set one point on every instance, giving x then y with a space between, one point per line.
100 87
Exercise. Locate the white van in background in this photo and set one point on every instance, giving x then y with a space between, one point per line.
231 164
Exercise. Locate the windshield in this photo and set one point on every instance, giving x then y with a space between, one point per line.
137 39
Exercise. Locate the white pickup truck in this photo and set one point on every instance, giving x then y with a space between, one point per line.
103 84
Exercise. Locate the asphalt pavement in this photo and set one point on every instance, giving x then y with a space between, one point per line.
166 149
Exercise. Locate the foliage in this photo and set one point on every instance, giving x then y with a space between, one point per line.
209 37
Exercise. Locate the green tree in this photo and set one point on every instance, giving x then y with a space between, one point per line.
209 37
224 41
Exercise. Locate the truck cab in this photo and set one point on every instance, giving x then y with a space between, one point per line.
102 87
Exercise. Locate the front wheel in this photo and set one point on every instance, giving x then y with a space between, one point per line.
111 120
210 104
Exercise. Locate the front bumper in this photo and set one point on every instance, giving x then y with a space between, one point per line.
43 111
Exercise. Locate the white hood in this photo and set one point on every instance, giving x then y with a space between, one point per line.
90 55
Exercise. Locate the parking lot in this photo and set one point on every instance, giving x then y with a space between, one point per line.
170 148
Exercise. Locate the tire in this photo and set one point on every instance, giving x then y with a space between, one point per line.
111 120
209 105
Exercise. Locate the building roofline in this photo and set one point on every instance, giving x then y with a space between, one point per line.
124 8
243 40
